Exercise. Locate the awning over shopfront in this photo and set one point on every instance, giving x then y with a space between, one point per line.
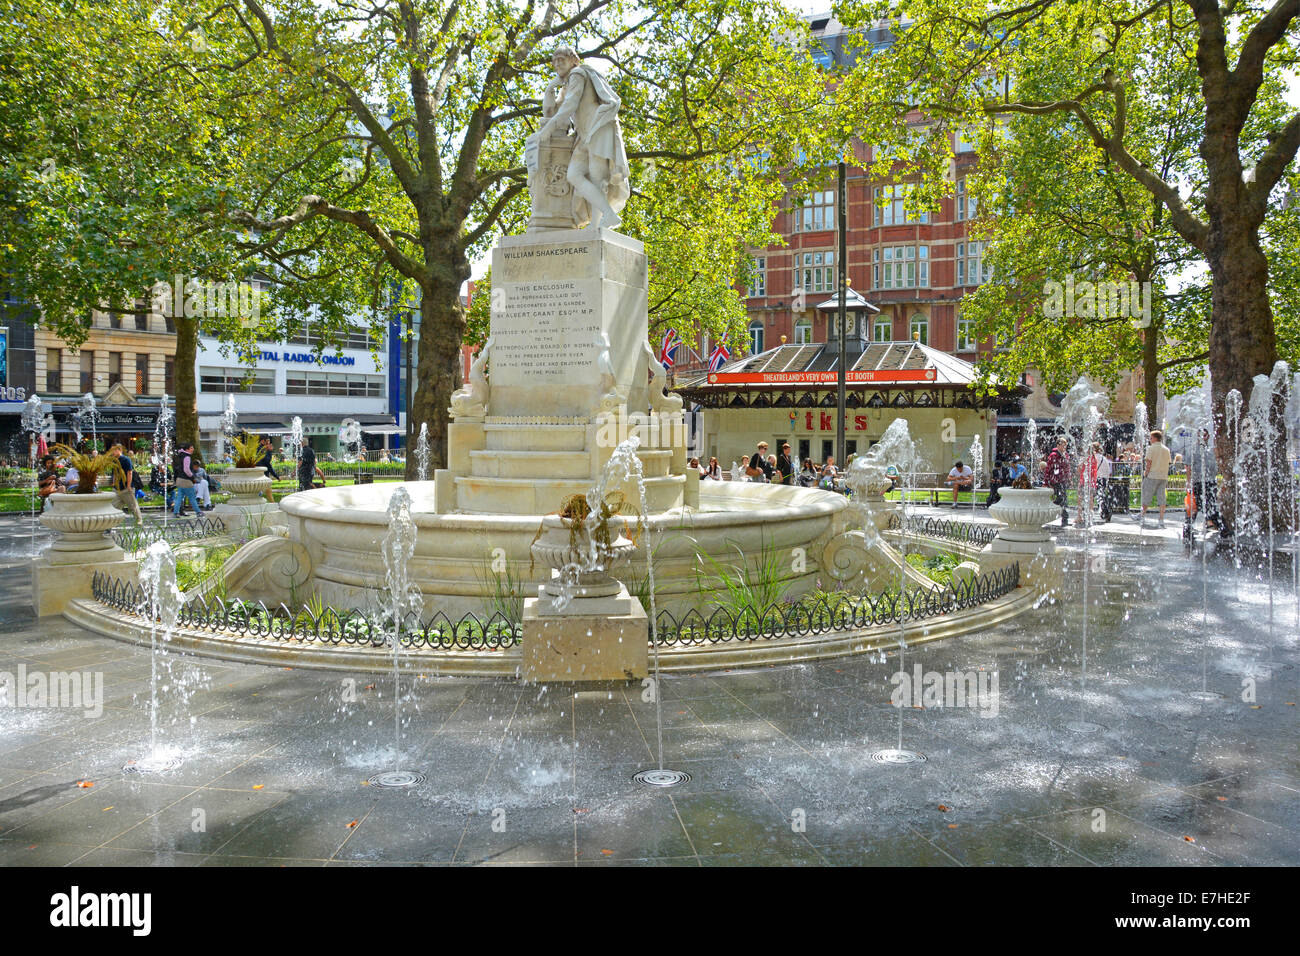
880 375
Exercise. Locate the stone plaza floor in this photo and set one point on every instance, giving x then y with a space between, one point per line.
274 759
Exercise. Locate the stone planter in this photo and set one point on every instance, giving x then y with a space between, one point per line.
82 524
584 577
1024 511
246 486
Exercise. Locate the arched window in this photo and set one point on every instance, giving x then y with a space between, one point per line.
755 337
803 332
921 325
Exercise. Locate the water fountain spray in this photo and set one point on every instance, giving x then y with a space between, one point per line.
229 424
161 604
1194 413
977 469
404 600
1232 429
896 448
624 465
422 452
1293 448
295 441
88 413
1263 435
1082 409
161 454
1031 436
1141 438
33 421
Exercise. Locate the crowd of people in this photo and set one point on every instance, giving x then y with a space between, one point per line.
1103 479
777 469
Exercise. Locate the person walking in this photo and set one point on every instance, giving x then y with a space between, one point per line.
759 469
124 483
785 465
1155 475
264 462
1056 475
183 466
308 469
1202 480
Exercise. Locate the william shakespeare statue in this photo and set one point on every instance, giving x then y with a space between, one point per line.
577 164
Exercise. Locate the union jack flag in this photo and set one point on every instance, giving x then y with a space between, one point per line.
668 349
719 357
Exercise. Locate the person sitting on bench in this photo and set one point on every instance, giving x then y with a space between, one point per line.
961 478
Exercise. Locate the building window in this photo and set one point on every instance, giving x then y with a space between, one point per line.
169 375
54 370
965 335
817 212
334 383
920 329
142 374
882 329
755 338
803 332
901 267
758 281
87 371
887 208
815 272
967 206
260 381
352 338
114 368
971 266
141 322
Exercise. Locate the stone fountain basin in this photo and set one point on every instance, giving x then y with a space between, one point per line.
461 559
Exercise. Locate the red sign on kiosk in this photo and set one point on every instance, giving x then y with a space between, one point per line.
861 377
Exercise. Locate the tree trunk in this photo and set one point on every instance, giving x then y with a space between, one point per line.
1242 345
187 408
1150 368
442 326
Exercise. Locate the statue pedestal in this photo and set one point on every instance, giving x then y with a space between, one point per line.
587 642
552 195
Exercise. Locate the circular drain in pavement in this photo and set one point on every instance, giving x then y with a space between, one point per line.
662 778
395 779
895 755
1084 727
158 764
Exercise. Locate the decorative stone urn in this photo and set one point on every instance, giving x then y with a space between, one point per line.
246 486
1024 511
82 523
869 482
586 573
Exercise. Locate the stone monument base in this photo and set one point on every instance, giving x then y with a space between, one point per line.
1040 565
595 639
56 584
239 520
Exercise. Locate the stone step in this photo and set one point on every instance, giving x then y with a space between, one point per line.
526 437
529 496
499 463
